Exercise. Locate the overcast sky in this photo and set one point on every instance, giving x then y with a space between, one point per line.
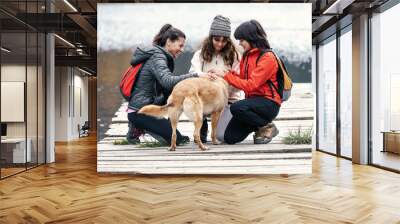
122 26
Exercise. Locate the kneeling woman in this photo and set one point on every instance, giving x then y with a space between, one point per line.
262 102
155 81
218 54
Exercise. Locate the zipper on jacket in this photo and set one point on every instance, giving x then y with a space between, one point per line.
246 73
246 68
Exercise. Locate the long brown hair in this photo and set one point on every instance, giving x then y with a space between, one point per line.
229 52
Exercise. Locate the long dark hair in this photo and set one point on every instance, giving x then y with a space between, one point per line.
167 32
252 32
228 53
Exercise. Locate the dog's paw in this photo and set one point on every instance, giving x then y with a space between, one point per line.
204 148
171 148
216 143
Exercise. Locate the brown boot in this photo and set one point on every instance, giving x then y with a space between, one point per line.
271 131
261 132
265 134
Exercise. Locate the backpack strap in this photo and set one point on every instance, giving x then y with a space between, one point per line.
280 67
261 54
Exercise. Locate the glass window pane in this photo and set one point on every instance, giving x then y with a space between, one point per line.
31 84
327 96
41 98
346 93
31 97
385 82
13 87
23 84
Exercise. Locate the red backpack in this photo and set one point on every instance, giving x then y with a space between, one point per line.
128 80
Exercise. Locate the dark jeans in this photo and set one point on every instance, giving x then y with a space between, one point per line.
249 115
158 126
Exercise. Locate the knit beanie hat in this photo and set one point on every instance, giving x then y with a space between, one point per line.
221 26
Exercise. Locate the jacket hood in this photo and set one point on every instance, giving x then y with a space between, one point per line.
141 54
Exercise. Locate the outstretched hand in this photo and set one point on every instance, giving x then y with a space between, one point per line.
212 76
219 73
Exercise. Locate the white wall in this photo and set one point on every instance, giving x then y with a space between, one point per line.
14 73
33 125
61 103
17 73
70 84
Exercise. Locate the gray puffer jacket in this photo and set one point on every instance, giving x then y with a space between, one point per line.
155 77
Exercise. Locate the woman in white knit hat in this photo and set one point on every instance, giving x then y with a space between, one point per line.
217 54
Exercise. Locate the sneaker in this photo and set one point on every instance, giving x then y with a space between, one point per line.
158 138
132 140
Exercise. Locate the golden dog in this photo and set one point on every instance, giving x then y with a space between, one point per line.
195 97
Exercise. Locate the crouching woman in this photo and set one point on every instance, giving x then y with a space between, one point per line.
155 81
258 68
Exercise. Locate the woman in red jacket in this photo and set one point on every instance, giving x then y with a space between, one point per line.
261 105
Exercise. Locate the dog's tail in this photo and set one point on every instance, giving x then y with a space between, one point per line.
155 111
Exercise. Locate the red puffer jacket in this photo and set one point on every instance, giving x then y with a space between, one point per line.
253 78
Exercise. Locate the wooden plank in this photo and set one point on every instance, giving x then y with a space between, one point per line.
120 130
209 163
187 153
214 148
205 156
292 169
112 139
155 157
209 151
244 144
280 123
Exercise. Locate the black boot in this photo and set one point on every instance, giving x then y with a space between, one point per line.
204 131
133 134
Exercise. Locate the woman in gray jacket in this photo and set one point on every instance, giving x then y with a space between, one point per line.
155 81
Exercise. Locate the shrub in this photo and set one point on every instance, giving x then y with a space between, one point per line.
298 137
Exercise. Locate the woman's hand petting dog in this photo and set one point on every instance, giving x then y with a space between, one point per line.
210 75
218 73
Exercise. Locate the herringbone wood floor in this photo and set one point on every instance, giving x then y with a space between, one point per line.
70 191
